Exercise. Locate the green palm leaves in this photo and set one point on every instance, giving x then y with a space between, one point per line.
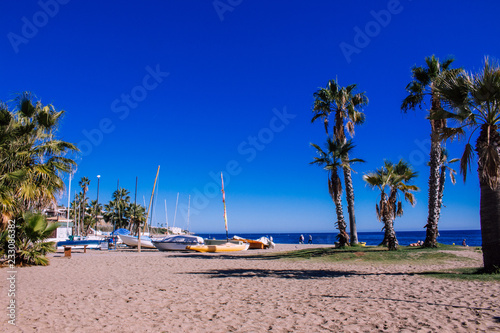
30 247
32 159
475 99
344 103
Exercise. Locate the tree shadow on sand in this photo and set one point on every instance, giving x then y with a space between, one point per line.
299 274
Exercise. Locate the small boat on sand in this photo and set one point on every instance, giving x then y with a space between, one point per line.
133 241
177 242
261 243
227 247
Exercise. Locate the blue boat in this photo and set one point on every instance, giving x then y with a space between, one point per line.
74 243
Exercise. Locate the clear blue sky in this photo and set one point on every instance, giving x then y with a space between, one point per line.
200 88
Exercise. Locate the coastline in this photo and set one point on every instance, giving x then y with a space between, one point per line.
156 291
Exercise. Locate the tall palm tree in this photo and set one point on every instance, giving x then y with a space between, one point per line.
333 157
475 99
423 86
345 104
391 180
84 184
32 158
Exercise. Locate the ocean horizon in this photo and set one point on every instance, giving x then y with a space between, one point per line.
405 238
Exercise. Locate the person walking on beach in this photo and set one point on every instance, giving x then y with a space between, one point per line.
301 239
310 239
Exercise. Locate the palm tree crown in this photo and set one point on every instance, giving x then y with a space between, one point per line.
344 103
32 159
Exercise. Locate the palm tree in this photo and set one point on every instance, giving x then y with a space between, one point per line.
32 159
333 157
95 211
345 104
84 184
391 180
475 99
423 85
116 209
137 215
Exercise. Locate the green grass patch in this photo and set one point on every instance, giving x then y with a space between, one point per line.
468 274
376 254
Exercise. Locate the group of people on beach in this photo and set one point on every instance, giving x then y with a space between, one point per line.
301 239
421 243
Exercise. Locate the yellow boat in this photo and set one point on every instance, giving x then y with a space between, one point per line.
227 247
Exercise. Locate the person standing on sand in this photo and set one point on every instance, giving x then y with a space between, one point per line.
301 239
310 239
463 243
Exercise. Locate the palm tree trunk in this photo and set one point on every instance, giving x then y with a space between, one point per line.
385 241
489 204
442 179
341 225
435 165
349 193
392 241
335 191
490 225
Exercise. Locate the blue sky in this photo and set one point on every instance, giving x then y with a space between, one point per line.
200 87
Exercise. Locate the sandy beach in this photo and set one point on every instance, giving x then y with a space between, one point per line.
125 291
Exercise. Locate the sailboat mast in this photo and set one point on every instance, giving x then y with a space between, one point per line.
189 205
175 214
151 200
224 202
166 215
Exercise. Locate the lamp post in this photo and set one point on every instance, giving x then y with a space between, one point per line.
97 205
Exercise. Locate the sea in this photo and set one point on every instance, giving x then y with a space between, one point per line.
405 238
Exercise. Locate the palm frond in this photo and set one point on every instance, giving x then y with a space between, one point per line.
466 160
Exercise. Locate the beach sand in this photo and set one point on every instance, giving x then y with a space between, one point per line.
126 291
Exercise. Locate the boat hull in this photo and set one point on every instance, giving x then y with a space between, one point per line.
91 244
254 244
227 247
177 242
133 241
